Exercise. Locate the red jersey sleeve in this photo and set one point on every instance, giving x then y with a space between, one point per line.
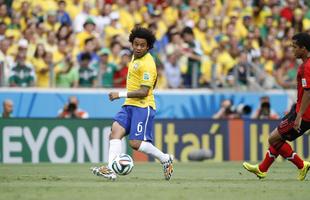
305 79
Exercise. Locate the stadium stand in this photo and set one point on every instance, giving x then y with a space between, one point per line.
242 44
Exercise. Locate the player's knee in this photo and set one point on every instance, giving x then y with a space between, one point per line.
270 140
276 142
274 137
135 144
116 135
117 131
112 136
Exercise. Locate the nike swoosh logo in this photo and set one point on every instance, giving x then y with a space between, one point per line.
137 134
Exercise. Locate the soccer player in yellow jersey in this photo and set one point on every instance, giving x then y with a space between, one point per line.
137 114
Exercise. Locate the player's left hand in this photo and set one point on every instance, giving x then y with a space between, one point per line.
297 123
113 96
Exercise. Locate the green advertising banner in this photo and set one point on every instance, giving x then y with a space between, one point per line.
69 140
55 141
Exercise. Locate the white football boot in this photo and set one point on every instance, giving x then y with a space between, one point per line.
168 168
105 172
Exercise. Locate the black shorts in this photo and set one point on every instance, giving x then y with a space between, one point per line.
286 126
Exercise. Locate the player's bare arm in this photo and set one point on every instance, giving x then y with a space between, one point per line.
141 93
305 102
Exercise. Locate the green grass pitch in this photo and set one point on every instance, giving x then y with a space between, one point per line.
203 180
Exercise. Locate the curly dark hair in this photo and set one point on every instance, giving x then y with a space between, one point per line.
302 40
140 32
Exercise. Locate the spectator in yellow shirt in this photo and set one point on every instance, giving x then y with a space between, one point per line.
113 29
206 13
60 54
126 18
266 60
133 9
218 25
89 31
51 23
239 31
4 15
41 68
156 18
200 34
74 7
40 33
171 13
208 67
51 42
224 59
45 5
210 41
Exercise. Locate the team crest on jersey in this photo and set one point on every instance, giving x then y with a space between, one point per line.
304 82
135 65
146 76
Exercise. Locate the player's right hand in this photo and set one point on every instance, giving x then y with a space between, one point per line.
297 123
113 96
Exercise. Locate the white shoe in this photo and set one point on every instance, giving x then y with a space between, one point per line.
104 172
168 168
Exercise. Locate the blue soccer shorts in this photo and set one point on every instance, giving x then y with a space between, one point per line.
138 122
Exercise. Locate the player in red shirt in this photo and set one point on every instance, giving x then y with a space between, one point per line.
296 122
120 76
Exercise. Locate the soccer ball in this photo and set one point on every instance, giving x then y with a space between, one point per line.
122 164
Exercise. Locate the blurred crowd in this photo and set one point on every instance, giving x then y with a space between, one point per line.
241 44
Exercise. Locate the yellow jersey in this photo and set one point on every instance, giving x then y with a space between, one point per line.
141 71
42 79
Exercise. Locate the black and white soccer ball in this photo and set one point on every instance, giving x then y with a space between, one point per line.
122 164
